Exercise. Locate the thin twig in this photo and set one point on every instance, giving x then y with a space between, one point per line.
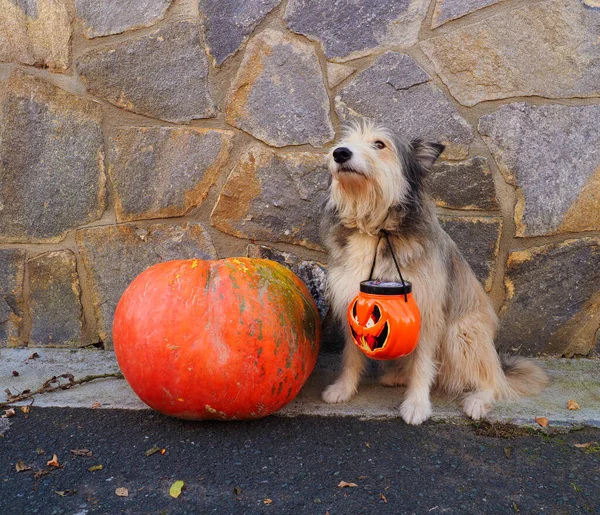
47 386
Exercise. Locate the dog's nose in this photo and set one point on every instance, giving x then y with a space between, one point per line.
341 155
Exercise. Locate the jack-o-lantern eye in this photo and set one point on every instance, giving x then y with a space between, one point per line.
373 319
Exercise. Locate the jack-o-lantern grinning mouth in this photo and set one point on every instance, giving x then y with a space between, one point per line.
373 342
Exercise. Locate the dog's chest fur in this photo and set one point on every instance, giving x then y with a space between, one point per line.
350 263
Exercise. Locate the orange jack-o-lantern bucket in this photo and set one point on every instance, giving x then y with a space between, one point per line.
384 319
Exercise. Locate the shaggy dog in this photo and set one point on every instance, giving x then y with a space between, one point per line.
377 188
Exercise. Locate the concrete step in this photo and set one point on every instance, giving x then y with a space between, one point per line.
577 379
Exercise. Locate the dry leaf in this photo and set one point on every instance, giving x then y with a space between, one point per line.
382 497
507 451
542 421
362 477
122 492
572 405
39 451
95 468
81 452
96 405
21 467
64 493
152 451
25 409
237 490
9 413
583 445
268 501
35 355
175 490
344 484
41 473
53 462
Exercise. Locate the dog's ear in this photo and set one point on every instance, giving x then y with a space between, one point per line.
426 153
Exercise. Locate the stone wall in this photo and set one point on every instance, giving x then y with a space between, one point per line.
141 131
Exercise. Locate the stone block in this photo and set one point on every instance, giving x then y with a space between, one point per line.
448 10
477 239
115 16
12 272
36 32
159 172
463 185
279 94
228 23
550 153
51 162
347 29
54 300
548 49
274 197
161 75
553 299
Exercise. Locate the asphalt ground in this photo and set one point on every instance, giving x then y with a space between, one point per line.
282 465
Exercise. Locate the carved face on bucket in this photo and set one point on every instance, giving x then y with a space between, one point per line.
384 326
372 334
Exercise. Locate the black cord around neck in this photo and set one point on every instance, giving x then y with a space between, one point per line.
387 238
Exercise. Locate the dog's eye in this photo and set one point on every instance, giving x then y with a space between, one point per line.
380 144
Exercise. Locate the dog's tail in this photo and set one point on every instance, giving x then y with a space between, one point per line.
523 377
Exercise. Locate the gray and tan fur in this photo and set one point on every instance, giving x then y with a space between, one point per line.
380 188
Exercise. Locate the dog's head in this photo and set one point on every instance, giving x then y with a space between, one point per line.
372 171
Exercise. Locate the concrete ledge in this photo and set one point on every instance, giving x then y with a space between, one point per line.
577 379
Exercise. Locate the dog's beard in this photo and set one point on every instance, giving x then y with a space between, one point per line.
362 202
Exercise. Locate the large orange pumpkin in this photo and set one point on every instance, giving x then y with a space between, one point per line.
229 339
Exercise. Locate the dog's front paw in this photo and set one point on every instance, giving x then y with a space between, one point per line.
415 413
338 392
